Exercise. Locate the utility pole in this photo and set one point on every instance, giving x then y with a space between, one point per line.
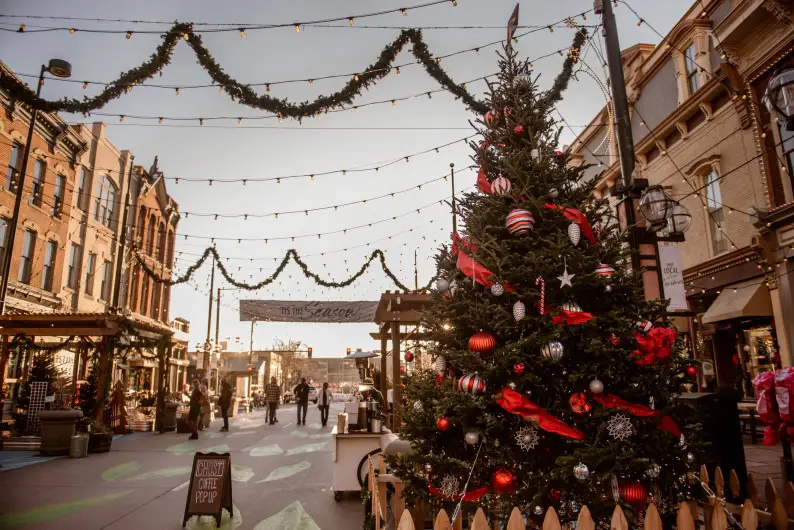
208 343
251 357
454 205
217 317
122 242
630 188
416 274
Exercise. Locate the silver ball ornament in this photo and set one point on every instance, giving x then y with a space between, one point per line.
573 506
581 471
512 385
535 154
497 289
472 438
537 510
654 470
442 284
553 350
428 468
418 406
690 458
608 288
554 193
596 386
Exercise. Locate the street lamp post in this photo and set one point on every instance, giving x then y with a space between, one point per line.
779 97
57 68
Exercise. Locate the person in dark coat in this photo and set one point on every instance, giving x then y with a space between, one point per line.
302 399
224 402
195 408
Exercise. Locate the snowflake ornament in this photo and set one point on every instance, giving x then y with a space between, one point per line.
450 486
527 438
619 427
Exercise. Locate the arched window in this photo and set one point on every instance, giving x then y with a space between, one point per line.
155 312
166 302
170 256
142 226
161 242
133 296
145 297
105 193
150 236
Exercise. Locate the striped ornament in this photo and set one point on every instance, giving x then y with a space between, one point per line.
520 222
472 384
482 342
500 186
604 270
573 307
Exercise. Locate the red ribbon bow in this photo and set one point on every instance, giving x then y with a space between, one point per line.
577 217
657 345
515 403
571 318
469 267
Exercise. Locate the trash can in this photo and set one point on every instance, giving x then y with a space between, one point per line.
719 416
169 417
78 447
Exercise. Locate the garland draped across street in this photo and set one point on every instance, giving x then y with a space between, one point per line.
291 254
242 92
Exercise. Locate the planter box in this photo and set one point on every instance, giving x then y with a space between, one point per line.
99 442
57 429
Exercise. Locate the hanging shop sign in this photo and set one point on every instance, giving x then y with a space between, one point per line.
210 489
307 311
673 277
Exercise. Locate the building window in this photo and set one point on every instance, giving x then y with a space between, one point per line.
134 289
57 201
161 243
82 189
104 200
150 237
170 257
47 273
145 296
90 270
37 188
715 212
692 74
166 302
3 231
104 293
74 266
26 259
12 173
156 301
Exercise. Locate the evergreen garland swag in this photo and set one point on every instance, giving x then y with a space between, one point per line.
241 92
291 254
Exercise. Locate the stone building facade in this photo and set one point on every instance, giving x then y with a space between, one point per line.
694 125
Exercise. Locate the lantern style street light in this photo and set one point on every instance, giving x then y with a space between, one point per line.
779 97
655 206
679 220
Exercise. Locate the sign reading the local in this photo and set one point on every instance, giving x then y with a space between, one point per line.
210 489
673 277
303 311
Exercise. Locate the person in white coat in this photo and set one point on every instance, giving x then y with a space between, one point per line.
324 402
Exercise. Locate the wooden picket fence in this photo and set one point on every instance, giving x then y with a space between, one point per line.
712 514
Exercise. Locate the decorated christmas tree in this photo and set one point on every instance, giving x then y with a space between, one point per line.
555 380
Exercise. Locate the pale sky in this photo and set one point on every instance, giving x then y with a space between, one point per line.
265 148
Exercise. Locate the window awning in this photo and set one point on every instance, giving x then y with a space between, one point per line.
750 299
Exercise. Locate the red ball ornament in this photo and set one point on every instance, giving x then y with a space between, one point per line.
579 403
558 152
482 342
614 339
518 368
633 492
503 481
554 495
519 130
691 371
409 357
443 424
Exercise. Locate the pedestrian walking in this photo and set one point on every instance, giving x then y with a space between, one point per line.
273 395
195 409
301 392
324 402
206 407
224 402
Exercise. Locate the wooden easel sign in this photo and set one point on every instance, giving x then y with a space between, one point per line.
210 489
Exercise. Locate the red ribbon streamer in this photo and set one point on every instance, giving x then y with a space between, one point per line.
472 495
577 217
482 182
471 268
571 318
666 423
515 403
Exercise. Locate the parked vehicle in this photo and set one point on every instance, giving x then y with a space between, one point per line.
313 394
288 396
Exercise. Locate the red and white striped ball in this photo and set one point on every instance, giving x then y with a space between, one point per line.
520 222
500 186
604 270
472 384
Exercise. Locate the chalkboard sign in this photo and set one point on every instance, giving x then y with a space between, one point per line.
210 489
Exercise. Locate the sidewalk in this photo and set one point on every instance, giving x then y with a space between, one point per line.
764 463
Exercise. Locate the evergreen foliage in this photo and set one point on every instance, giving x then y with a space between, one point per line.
604 348
42 369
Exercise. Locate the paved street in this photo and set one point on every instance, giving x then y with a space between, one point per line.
281 480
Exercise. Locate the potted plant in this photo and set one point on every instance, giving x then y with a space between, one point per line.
100 436
58 422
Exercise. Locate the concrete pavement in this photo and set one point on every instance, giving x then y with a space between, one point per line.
281 480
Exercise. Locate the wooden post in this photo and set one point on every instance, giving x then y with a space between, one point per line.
4 353
104 360
396 390
384 379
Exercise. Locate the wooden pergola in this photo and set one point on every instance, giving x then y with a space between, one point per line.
105 330
394 310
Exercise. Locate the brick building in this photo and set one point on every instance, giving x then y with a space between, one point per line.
694 134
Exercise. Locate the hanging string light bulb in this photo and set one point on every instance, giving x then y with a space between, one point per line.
297 28
351 22
129 34
242 33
